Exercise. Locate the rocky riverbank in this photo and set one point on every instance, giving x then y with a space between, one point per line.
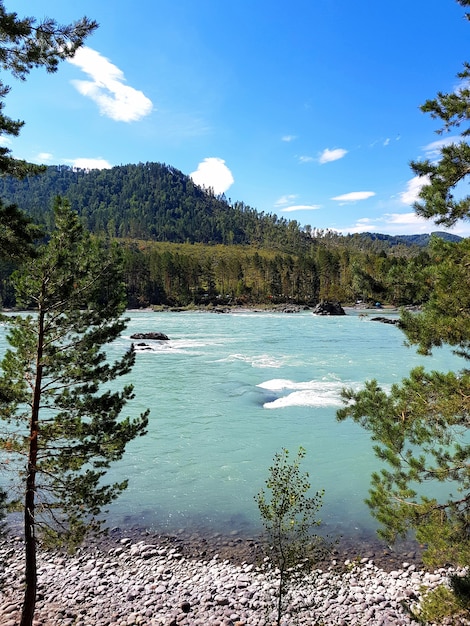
156 581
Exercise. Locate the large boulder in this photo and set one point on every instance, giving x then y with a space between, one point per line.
325 307
156 336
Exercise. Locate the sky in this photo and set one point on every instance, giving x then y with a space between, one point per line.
308 109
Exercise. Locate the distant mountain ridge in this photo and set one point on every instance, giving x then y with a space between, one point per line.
421 240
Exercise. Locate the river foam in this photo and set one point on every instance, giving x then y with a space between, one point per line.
313 393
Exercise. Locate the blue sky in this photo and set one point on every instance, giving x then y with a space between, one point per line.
307 109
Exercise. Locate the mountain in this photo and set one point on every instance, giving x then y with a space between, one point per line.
411 240
157 202
171 233
150 201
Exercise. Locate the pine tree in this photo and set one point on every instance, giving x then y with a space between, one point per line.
26 44
17 233
53 411
420 428
437 197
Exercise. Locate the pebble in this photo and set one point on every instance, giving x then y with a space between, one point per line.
134 583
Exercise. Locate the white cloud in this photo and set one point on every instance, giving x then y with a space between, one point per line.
413 187
288 199
90 164
463 85
383 142
305 159
289 138
393 224
301 207
407 223
44 156
332 155
411 223
405 219
354 196
82 163
433 149
285 199
213 173
114 99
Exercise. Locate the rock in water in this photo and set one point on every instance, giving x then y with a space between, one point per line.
325 307
156 336
385 320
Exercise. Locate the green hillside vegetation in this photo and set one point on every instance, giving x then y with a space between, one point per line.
184 274
183 245
149 201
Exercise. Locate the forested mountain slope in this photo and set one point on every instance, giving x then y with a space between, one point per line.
154 201
182 245
149 201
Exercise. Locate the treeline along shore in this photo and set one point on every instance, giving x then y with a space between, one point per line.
182 245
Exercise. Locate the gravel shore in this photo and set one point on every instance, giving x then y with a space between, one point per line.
164 581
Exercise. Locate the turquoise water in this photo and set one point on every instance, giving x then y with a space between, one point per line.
229 391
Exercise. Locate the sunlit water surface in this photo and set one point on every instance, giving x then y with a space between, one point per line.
227 392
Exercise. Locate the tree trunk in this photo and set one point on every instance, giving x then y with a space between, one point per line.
280 598
29 601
